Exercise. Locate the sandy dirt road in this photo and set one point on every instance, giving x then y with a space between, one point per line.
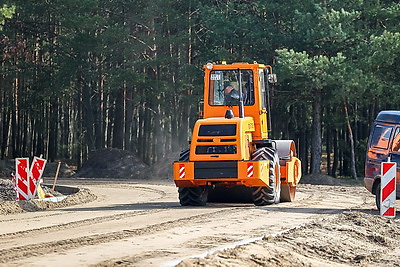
134 223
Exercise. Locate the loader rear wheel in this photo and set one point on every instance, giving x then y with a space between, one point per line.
288 193
267 195
193 196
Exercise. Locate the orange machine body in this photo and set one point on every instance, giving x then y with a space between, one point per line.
221 146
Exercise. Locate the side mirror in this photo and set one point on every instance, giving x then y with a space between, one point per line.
272 79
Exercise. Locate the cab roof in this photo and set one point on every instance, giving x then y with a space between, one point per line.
391 116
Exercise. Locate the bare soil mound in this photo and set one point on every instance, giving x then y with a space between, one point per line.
353 239
7 191
8 204
163 168
6 168
112 163
51 169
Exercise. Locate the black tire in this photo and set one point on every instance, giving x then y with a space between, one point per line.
191 196
184 156
267 195
378 195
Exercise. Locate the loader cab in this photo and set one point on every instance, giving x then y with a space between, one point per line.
225 85
383 143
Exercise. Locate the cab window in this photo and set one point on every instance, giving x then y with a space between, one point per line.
381 136
225 87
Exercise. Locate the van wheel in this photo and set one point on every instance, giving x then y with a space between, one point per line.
378 195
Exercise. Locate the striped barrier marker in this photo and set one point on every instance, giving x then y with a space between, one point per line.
36 173
182 171
14 181
388 189
250 169
21 176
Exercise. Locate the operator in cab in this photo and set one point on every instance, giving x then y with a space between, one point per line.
231 95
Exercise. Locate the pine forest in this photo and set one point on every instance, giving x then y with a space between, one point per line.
79 76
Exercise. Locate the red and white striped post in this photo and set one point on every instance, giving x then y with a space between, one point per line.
27 180
21 176
388 189
36 172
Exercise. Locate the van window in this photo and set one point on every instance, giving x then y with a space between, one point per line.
381 136
396 141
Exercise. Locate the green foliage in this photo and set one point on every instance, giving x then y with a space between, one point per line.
350 55
308 75
84 55
6 12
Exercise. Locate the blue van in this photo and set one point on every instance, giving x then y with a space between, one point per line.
384 142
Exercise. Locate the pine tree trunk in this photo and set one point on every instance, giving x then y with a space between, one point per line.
128 119
88 120
351 138
316 142
335 154
328 150
118 130
53 132
109 122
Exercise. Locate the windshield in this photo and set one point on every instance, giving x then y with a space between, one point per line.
225 87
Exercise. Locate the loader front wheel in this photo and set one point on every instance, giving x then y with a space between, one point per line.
193 196
267 195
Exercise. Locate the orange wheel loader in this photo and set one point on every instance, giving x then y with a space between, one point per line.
231 158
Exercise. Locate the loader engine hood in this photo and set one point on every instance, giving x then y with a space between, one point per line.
216 139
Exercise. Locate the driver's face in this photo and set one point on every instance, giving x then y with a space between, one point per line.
228 89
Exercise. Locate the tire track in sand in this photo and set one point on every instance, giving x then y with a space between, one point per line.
15 253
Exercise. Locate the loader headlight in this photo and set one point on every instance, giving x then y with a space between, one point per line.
209 66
